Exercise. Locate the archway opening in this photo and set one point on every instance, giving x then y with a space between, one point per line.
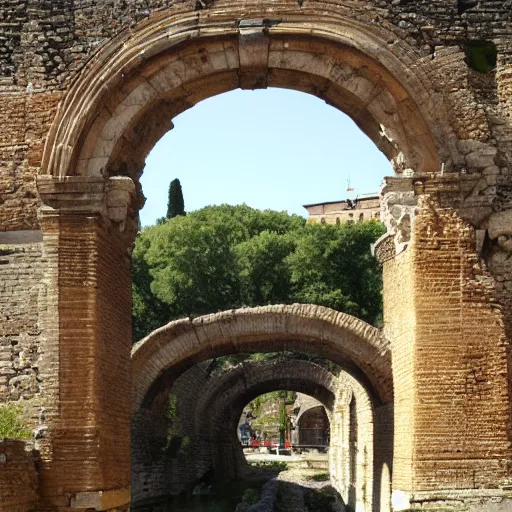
228 389
275 149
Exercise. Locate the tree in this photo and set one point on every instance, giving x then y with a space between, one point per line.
176 204
264 273
332 266
223 257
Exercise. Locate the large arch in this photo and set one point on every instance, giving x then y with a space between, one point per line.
344 339
168 63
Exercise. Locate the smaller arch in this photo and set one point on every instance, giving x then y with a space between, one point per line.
213 404
318 434
317 330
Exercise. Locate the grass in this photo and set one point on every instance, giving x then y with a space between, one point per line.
274 465
319 477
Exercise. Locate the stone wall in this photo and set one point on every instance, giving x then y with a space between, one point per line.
405 82
448 341
466 363
44 49
19 481
22 296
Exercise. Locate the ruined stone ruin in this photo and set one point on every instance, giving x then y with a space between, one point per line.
87 88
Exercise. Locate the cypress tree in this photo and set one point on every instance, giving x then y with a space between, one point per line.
176 204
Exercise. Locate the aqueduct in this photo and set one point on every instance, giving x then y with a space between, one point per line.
86 90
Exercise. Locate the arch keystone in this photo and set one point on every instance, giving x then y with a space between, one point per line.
253 44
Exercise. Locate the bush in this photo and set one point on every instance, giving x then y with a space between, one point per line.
251 496
274 465
319 477
11 425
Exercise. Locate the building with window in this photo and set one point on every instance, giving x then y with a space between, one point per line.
363 207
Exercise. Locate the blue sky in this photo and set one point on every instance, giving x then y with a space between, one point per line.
270 148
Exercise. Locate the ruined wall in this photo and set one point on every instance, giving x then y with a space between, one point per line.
462 357
86 348
352 461
46 44
22 294
46 47
158 468
399 326
450 351
19 482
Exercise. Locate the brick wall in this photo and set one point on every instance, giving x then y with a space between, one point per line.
44 48
19 482
399 326
93 335
461 372
82 321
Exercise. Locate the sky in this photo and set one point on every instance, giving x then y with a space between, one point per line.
273 148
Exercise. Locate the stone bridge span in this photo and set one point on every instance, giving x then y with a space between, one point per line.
311 329
210 404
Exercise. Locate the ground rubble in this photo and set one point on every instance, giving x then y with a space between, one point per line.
294 490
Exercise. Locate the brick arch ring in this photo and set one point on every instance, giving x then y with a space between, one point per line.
354 345
226 398
123 100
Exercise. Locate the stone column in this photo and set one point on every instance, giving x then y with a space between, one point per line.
452 395
88 233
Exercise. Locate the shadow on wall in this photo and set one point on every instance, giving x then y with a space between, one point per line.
19 492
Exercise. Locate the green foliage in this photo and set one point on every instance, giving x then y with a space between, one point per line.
319 477
332 266
274 465
264 272
176 203
251 496
223 257
11 426
288 396
283 419
148 311
177 445
319 500
481 56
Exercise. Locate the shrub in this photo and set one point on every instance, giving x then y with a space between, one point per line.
11 425
274 465
319 477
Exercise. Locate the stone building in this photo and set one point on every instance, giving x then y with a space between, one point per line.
86 90
363 207
310 422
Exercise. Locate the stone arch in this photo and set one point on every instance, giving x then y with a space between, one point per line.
251 379
355 444
214 403
220 408
304 439
346 340
172 61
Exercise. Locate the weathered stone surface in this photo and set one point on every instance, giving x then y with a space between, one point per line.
86 89
19 486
